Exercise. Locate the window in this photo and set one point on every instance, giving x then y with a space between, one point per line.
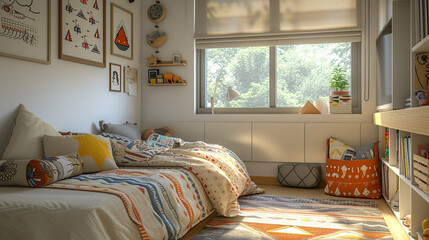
273 53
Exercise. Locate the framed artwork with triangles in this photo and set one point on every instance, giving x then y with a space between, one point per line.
121 41
82 31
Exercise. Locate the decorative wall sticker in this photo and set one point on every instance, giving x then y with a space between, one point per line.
121 32
83 31
25 30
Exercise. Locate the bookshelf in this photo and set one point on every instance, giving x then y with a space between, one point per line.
403 33
412 199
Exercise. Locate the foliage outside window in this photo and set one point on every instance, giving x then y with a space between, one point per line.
302 73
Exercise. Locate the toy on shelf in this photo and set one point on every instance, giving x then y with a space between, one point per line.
160 79
151 60
425 227
168 78
176 79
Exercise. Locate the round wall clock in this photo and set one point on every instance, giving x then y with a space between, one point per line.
156 13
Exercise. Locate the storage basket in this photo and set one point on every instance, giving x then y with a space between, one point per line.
353 178
421 172
300 175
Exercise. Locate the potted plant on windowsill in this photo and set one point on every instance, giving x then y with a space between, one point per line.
340 100
339 82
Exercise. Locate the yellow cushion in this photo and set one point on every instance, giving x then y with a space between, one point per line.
95 151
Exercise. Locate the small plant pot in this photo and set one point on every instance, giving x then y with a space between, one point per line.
340 93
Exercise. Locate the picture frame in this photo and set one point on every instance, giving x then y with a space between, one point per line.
130 80
121 29
26 30
82 32
152 74
177 59
115 77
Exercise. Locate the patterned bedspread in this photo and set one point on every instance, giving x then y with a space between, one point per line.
161 212
163 203
222 173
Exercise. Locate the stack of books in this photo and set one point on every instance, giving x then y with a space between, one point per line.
340 104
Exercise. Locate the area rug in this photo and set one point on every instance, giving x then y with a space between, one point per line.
274 217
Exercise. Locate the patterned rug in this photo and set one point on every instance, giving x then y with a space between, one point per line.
274 217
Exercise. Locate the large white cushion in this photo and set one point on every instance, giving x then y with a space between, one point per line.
26 140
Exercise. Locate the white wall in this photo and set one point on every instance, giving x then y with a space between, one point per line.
166 105
68 95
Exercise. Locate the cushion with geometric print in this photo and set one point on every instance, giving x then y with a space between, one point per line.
39 172
360 179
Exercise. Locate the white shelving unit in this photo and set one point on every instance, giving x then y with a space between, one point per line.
412 200
398 20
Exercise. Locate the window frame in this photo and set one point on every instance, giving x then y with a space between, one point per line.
202 95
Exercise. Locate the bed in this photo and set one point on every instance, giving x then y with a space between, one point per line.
87 186
159 192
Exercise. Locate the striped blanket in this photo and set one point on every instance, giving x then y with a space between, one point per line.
163 203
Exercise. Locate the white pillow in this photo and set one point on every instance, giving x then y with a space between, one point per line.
26 139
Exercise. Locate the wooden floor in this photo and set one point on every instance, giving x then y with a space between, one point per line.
392 222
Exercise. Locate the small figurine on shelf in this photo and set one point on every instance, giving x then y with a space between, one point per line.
151 60
168 78
160 79
176 79
425 227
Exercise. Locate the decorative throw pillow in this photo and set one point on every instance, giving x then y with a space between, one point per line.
127 129
25 141
39 172
116 137
365 152
157 140
95 151
340 151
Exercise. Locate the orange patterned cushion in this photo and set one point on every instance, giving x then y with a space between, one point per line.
358 178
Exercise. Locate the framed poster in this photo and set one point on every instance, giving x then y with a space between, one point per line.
82 31
121 29
130 81
115 77
26 30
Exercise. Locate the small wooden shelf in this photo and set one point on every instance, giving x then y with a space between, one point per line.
166 84
167 64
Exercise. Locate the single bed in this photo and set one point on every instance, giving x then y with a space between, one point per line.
48 213
161 190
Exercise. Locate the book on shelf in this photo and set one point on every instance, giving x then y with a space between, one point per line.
405 156
385 182
386 143
397 148
423 151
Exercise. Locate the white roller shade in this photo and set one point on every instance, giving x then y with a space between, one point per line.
241 23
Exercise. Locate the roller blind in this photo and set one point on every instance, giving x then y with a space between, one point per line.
241 23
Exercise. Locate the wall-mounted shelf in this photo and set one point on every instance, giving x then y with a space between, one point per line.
167 64
166 84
